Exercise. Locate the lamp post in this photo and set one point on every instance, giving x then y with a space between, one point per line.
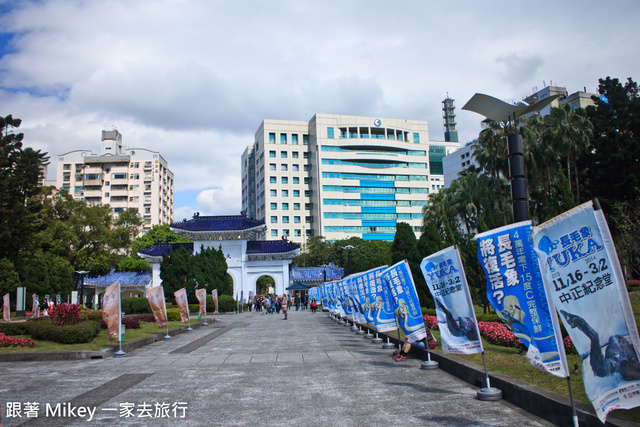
82 274
348 248
500 111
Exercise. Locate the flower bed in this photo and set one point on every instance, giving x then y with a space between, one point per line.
6 341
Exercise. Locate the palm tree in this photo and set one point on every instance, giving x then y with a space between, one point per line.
491 149
569 131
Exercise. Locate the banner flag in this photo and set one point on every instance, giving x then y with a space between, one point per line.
214 296
181 300
378 305
516 292
405 300
346 301
359 297
337 300
444 274
353 297
6 309
155 296
201 295
584 279
111 311
35 305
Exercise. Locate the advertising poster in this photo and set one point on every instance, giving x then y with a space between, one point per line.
444 274
155 296
405 301
214 296
6 309
378 304
181 301
111 311
583 277
516 291
337 299
355 285
201 295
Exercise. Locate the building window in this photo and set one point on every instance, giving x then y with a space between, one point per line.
296 219
307 180
285 193
305 155
272 166
294 139
284 167
307 167
273 193
330 133
283 154
308 206
296 233
294 154
272 179
296 180
283 138
285 206
285 232
121 175
296 206
272 138
285 220
305 139
307 193
274 233
296 193
274 220
416 137
66 167
285 180
272 154
295 168
274 206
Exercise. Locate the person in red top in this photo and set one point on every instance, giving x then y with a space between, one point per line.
314 305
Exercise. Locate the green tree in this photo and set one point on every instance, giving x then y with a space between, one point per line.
9 279
404 242
157 234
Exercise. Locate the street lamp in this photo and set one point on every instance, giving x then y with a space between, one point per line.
82 273
348 248
500 111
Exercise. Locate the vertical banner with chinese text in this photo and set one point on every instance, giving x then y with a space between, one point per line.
155 296
181 300
214 296
405 300
6 309
111 311
516 291
201 295
444 274
583 277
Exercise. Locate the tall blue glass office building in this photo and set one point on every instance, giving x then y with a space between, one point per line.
341 176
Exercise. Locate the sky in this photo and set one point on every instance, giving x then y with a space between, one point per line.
193 80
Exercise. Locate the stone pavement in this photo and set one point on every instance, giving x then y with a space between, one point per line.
250 369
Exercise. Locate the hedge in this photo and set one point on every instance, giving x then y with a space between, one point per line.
135 305
67 334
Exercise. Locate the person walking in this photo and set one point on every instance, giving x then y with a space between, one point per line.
314 306
296 300
285 309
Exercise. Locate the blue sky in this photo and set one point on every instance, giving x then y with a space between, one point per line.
193 79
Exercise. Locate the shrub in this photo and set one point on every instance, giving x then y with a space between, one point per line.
94 315
135 305
226 303
173 314
65 334
18 328
569 348
488 318
65 314
633 283
498 334
131 323
145 318
432 321
429 311
6 341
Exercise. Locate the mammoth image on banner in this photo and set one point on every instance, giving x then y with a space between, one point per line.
584 279
405 300
111 311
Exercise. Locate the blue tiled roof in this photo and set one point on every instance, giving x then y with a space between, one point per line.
217 223
270 246
125 279
316 274
159 249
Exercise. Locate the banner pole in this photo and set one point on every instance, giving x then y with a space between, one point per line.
164 303
488 393
573 403
119 353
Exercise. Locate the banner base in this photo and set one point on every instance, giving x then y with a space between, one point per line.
376 340
167 337
430 365
119 353
489 394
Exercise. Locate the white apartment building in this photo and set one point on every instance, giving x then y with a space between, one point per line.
341 176
121 177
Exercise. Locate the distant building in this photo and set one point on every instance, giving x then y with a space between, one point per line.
341 176
449 119
458 161
123 178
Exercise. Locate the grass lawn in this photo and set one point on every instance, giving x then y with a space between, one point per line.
98 343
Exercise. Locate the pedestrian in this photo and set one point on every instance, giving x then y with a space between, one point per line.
314 306
306 302
297 301
285 309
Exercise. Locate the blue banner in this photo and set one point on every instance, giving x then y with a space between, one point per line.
583 277
516 291
405 300
356 291
378 306
447 283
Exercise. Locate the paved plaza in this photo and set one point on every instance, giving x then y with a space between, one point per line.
250 369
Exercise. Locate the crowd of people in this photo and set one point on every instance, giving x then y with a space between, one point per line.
274 304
